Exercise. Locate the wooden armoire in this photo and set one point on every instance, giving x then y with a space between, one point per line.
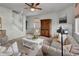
45 27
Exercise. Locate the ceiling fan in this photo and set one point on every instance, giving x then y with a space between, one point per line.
33 6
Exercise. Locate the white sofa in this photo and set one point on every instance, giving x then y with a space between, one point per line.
70 48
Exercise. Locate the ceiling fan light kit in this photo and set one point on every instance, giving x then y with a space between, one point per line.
32 9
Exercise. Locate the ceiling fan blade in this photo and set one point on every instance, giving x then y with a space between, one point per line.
76 4
39 8
28 4
37 4
32 4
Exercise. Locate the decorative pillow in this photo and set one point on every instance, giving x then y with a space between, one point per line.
72 40
2 49
66 42
68 47
65 39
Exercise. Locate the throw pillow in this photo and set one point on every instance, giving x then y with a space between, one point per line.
66 42
68 47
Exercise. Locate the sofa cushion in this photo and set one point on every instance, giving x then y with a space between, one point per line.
54 52
72 40
68 47
47 40
67 41
56 45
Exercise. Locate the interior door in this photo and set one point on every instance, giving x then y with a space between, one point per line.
45 27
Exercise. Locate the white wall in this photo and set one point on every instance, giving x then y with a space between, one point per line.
54 20
7 19
76 36
69 12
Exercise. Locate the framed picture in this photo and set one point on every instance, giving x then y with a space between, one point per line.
63 19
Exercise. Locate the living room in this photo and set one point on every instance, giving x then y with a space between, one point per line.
19 22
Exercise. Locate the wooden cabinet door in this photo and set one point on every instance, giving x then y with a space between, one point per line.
45 33
45 27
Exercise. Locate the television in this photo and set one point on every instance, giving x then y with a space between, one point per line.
63 20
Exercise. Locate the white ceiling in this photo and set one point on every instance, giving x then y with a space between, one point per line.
46 7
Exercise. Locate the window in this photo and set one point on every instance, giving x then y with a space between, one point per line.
77 25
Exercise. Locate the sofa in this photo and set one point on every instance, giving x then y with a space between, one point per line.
52 47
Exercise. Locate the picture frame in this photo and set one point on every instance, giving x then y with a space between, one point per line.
63 19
